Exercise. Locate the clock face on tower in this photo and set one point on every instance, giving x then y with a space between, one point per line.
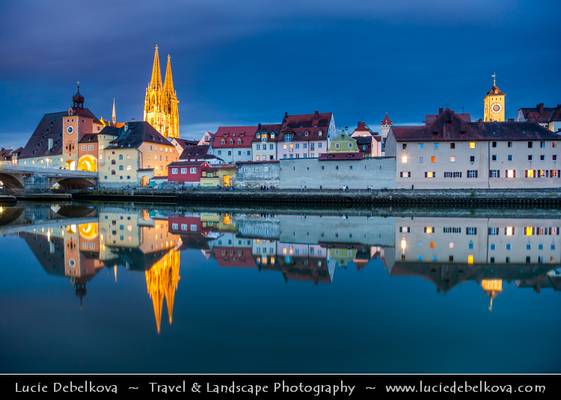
496 108
69 130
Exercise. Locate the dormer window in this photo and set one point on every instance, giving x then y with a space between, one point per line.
222 141
239 141
320 133
306 133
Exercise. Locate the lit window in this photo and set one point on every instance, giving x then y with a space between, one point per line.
470 259
433 159
404 159
509 231
429 229
511 173
452 158
472 145
528 231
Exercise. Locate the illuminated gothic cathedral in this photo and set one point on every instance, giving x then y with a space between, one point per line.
161 104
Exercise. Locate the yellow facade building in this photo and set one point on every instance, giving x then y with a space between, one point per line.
137 153
494 104
161 104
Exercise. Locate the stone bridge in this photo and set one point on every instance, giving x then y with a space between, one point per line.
15 179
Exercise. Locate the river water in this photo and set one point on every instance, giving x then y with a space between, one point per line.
118 288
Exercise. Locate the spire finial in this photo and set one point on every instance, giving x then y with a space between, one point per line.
156 79
494 76
114 113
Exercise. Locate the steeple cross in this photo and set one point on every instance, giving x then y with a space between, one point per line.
494 76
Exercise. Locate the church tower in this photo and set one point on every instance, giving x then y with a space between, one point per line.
161 103
494 104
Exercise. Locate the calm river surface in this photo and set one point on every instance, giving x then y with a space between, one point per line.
116 288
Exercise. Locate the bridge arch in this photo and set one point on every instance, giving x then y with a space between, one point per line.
9 182
74 183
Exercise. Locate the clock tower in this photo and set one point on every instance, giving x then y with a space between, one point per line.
494 104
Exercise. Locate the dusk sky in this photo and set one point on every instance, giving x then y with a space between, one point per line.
249 61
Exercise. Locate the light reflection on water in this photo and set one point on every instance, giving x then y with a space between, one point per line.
165 290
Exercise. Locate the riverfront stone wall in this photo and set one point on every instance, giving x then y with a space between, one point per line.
312 173
257 174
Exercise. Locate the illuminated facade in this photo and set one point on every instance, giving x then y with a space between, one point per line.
494 104
161 103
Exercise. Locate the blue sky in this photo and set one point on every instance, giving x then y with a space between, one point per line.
249 61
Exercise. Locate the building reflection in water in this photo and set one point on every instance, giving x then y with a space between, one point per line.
444 250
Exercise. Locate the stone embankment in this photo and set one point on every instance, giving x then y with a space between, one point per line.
339 198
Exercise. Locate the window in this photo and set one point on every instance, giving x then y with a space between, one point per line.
120 156
529 157
493 144
404 229
404 146
493 232
554 157
509 231
183 171
452 145
421 159
433 159
404 159
121 168
405 174
530 144
449 174
471 230
193 170
436 146
452 158
429 229
421 146
542 145
472 145
494 173
472 159
509 157
542 157
510 173
494 157
530 173
472 173
509 144
430 174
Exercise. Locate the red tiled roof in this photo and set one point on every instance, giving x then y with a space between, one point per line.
268 129
183 163
306 127
233 136
449 126
386 120
541 114
234 257
195 152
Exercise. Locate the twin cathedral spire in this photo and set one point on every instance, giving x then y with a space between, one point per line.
161 103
